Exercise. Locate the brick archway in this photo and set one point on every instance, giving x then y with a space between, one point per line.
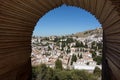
17 21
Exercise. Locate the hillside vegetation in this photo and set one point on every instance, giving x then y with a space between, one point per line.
97 31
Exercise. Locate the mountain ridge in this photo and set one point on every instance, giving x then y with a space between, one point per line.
97 31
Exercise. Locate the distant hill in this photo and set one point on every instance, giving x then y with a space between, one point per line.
98 32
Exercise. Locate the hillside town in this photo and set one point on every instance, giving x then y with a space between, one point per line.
75 52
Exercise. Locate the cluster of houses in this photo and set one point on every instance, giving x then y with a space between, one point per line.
46 50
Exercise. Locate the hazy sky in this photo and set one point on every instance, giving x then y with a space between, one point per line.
65 20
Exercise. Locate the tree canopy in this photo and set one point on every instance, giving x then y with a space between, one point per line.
58 64
42 72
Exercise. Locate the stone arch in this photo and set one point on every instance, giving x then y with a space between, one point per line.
17 21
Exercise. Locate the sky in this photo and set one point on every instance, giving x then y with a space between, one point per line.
65 20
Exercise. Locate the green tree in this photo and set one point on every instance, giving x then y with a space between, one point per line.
63 45
87 63
86 46
58 64
42 72
97 72
94 46
98 59
56 78
82 75
46 73
56 39
49 48
82 45
69 40
77 44
93 43
100 45
68 51
93 54
74 59
34 73
80 56
49 74
46 38
39 72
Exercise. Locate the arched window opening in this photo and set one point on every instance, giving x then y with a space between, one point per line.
67 41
